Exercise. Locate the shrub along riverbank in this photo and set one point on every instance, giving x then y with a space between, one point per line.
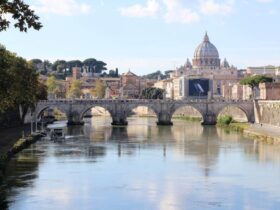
228 123
249 130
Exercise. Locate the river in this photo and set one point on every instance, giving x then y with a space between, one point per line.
144 167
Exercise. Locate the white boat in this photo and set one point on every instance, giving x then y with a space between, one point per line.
57 134
56 131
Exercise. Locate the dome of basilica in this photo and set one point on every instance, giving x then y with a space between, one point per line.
206 55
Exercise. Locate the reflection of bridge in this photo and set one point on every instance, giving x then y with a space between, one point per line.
164 109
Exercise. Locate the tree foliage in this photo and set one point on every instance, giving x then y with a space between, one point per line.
155 75
75 90
62 68
55 88
24 17
152 93
225 120
99 90
254 81
19 86
95 66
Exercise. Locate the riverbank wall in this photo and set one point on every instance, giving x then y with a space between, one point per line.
268 112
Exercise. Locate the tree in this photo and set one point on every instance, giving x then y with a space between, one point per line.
51 84
75 89
37 64
155 75
19 87
59 66
99 90
42 92
47 65
254 81
152 93
24 17
95 66
72 64
36 61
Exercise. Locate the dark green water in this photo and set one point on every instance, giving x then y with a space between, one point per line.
143 166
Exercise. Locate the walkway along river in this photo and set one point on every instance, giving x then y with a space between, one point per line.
144 166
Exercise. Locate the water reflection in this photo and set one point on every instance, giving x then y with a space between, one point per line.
143 166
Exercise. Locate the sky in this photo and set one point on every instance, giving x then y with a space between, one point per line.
149 35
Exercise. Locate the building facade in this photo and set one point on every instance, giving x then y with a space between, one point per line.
205 76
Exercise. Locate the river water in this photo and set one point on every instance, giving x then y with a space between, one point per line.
143 166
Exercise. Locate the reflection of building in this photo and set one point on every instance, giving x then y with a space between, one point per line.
206 75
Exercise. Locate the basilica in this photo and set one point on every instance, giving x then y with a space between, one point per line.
205 76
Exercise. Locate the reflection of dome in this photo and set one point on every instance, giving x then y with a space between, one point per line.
206 55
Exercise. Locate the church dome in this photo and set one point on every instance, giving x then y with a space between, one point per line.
206 55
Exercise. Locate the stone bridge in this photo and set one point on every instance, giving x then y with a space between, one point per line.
164 109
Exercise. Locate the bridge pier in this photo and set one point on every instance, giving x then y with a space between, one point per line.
164 119
209 119
119 121
74 119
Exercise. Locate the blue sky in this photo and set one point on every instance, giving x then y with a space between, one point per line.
150 35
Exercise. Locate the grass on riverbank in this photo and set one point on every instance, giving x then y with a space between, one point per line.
235 126
188 118
229 123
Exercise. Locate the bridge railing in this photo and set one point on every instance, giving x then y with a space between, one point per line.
99 101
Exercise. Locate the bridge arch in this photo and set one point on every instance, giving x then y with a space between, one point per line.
199 110
85 110
232 110
40 110
148 106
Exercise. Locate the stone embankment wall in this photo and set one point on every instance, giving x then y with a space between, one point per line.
269 112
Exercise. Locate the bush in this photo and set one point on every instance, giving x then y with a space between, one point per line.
225 120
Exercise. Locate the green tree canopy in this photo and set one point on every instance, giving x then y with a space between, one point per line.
21 13
152 93
99 90
254 81
94 65
36 61
51 84
155 75
75 90
18 85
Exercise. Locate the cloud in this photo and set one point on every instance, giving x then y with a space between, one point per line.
151 9
211 7
172 12
177 13
61 7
